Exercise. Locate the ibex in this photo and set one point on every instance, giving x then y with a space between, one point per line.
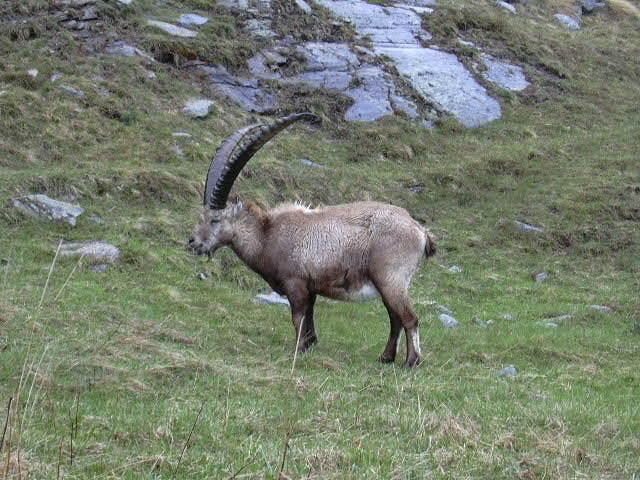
345 252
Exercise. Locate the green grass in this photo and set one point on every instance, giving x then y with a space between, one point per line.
148 372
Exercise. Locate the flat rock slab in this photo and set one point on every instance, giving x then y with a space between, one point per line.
505 75
95 249
246 92
171 29
439 77
44 207
442 79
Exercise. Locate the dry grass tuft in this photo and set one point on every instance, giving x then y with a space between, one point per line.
460 428
625 7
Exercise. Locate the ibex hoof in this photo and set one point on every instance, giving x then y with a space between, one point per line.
413 362
386 359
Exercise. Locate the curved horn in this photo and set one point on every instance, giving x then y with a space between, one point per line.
236 151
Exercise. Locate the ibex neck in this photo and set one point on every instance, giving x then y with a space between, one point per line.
248 241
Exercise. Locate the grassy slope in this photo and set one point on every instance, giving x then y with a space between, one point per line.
147 372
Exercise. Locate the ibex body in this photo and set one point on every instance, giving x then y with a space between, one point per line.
346 252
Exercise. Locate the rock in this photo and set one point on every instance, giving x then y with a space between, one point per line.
95 249
197 108
506 6
602 308
246 92
455 269
271 299
43 206
571 23
448 321
203 275
192 19
509 77
439 77
508 317
592 6
540 277
73 91
509 371
171 29
311 163
260 28
526 227
559 318
123 49
125 2
304 6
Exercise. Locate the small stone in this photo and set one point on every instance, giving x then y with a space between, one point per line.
559 318
506 6
174 30
448 321
203 275
509 371
527 227
304 6
602 308
455 269
443 309
73 91
540 277
43 206
592 6
311 163
198 108
192 19
96 249
33 72
271 299
96 219
571 23
550 324
509 317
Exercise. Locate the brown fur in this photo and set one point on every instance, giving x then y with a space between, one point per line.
339 252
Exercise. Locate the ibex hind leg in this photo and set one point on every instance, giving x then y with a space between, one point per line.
401 314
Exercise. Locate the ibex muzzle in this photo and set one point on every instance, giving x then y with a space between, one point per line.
346 252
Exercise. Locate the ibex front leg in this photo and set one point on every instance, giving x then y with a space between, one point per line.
302 303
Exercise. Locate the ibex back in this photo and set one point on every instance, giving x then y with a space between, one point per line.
346 252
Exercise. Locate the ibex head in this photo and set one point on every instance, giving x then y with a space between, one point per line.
215 228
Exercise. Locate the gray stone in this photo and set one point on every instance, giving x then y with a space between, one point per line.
73 91
443 80
527 227
602 308
448 321
100 268
304 6
559 318
480 323
260 28
311 163
571 23
123 49
95 249
506 6
246 92
125 2
439 77
540 277
45 207
271 299
455 269
171 29
592 6
197 108
505 75
192 19
509 371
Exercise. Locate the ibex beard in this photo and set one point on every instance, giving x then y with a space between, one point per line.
346 252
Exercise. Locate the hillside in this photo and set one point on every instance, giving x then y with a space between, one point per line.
160 364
